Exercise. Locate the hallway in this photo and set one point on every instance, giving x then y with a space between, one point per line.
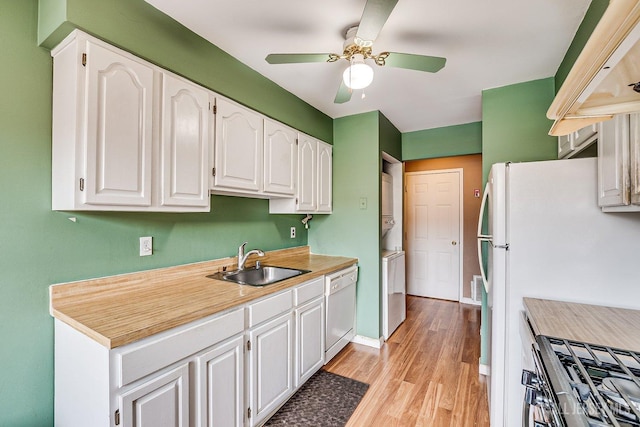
426 374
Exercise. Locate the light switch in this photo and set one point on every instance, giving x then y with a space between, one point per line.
363 203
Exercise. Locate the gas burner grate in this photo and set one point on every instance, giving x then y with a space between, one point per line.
605 380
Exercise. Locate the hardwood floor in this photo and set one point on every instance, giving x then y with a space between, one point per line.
426 374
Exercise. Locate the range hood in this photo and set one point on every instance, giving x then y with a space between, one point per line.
601 82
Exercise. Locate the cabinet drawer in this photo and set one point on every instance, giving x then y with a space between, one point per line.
268 308
308 291
139 359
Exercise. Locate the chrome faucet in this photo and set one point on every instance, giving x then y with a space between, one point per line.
242 257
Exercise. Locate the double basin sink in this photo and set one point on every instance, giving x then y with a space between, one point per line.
258 276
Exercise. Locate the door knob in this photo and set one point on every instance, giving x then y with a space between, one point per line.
453 242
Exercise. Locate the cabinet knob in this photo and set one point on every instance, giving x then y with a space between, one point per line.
453 242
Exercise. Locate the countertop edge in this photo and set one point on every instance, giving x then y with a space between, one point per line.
70 308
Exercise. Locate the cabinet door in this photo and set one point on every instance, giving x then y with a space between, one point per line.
238 147
162 401
324 177
564 146
220 384
634 158
613 161
309 340
118 133
270 367
280 158
307 173
184 155
583 136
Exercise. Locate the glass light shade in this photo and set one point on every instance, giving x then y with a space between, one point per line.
358 75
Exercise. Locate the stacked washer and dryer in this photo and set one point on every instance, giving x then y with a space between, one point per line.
393 259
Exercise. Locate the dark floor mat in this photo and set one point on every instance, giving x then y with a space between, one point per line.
326 400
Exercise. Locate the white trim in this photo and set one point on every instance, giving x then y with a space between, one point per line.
484 369
370 342
469 301
460 171
389 158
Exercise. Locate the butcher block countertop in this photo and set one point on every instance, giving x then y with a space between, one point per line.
119 310
593 324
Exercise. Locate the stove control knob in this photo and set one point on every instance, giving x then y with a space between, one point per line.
534 398
529 379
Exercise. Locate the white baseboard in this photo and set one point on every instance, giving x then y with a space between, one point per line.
484 369
371 342
469 301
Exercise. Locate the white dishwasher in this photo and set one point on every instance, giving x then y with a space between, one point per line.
340 306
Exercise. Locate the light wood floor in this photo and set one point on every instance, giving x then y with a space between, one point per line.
426 374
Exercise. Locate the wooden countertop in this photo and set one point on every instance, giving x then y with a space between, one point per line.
593 324
118 310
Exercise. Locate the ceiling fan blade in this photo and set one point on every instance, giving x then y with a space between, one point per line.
430 64
343 95
375 14
294 58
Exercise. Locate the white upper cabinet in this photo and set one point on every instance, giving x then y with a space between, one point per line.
185 143
325 173
280 159
574 143
314 191
108 107
118 131
618 159
238 148
130 136
308 173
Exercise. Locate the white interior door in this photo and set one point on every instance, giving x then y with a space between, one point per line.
433 234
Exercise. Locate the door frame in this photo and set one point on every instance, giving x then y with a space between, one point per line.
460 172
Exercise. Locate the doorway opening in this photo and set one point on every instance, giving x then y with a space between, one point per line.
449 238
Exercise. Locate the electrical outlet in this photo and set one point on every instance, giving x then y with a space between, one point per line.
293 232
363 203
146 246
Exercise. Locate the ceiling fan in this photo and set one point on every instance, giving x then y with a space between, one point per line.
357 49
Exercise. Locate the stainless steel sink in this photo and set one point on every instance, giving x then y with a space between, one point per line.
261 276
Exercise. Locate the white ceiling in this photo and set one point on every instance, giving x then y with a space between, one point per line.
487 43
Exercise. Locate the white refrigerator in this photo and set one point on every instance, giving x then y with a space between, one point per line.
547 238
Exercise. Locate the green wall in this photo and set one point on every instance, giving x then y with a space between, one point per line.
351 230
457 140
39 247
588 24
514 124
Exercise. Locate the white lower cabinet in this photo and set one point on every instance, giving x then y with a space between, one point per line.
232 369
162 401
309 348
220 382
270 370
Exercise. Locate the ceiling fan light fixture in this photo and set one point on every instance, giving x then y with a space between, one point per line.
358 75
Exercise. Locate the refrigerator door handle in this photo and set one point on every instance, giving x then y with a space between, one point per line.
483 237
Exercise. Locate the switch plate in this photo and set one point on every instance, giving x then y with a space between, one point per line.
146 246
293 232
